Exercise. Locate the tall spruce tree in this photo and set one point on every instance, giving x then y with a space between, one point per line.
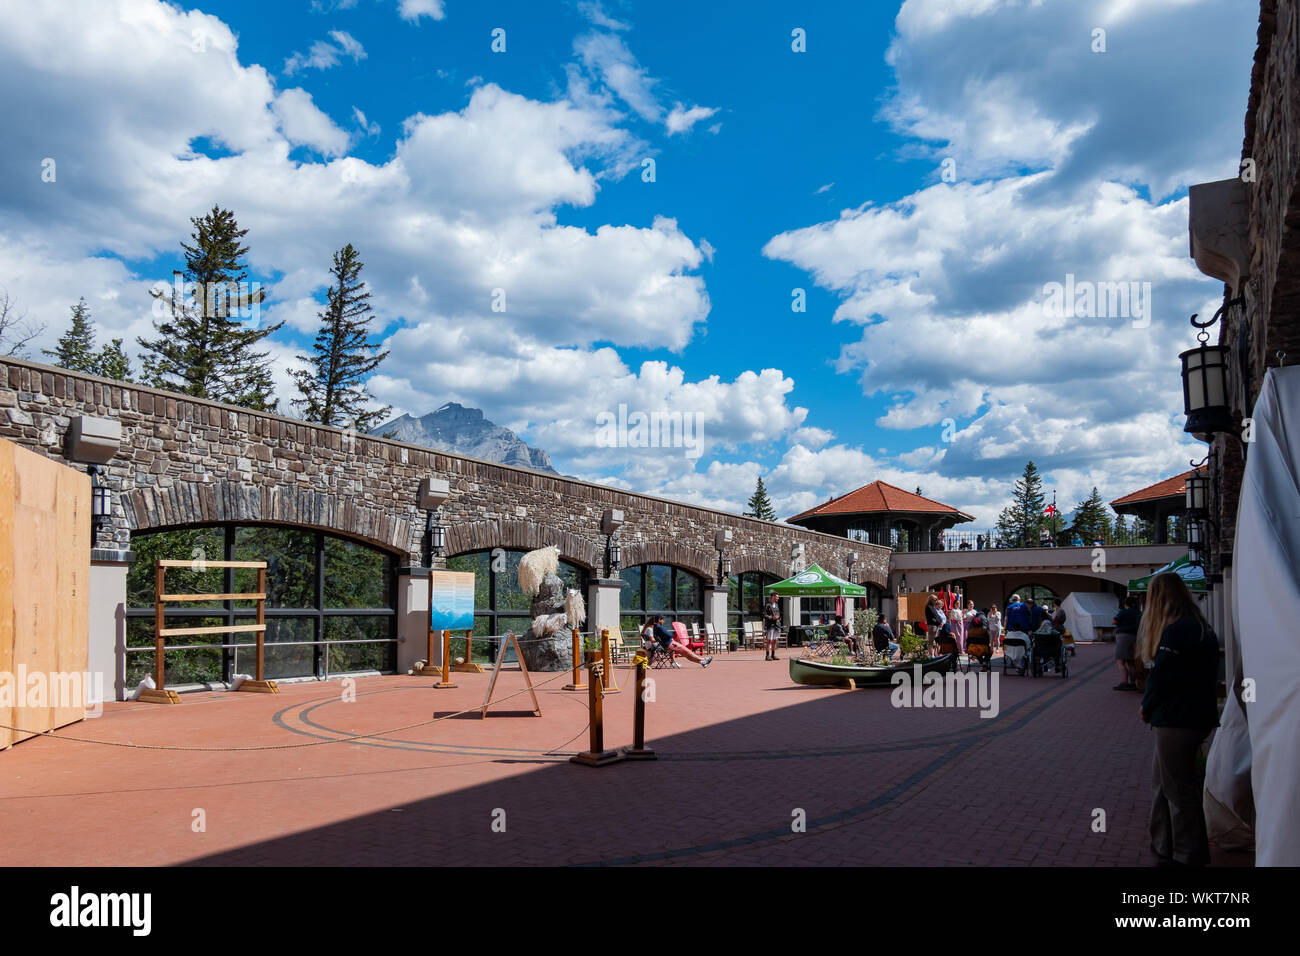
1090 518
75 349
760 505
332 387
203 348
1020 523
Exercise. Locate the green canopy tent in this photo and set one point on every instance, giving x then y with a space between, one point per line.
816 582
1193 576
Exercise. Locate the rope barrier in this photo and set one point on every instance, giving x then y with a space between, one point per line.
314 743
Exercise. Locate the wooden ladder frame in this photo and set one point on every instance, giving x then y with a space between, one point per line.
159 694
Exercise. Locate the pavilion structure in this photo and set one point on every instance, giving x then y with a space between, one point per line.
1157 503
880 513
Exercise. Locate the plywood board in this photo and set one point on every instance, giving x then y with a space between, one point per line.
45 507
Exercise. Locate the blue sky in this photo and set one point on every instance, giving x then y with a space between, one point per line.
924 356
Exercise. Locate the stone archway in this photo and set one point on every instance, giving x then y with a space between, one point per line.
153 508
670 552
522 535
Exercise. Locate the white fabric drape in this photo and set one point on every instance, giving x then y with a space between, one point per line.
1266 596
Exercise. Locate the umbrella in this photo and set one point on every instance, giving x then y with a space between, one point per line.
1192 575
816 582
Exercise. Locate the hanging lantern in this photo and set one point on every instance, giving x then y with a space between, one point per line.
1198 494
1205 382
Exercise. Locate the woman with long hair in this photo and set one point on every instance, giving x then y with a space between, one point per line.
1181 704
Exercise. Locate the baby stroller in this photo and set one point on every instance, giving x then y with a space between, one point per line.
1015 652
1047 650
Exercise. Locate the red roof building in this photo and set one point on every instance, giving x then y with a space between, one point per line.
880 513
1157 503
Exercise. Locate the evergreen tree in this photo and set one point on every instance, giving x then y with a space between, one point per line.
75 349
760 505
1090 519
111 362
1121 532
1021 523
332 389
202 348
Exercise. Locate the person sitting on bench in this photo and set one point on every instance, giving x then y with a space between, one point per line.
882 639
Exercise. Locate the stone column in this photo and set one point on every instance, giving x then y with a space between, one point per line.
603 604
413 618
715 608
106 637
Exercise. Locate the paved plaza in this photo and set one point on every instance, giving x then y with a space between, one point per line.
742 749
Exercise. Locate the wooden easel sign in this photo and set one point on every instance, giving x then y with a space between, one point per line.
501 656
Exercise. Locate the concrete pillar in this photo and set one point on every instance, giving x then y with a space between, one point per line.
790 612
603 608
715 607
106 637
413 619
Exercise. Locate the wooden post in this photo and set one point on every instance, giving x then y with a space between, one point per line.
611 685
446 662
261 619
638 750
596 755
158 669
577 683
259 685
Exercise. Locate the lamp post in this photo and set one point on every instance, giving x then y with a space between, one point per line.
1205 381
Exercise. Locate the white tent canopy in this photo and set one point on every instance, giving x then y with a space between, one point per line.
1265 595
1085 611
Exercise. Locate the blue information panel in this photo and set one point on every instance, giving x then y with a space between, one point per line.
451 601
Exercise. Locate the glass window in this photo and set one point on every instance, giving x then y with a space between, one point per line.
745 598
315 583
660 589
499 603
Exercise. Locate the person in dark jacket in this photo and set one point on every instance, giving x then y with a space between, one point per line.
1181 704
1127 620
936 621
882 638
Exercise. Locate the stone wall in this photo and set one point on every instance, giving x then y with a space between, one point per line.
1269 320
188 461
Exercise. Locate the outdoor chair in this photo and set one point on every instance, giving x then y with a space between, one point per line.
698 644
717 643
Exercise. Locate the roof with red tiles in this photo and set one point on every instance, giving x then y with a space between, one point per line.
880 497
1175 487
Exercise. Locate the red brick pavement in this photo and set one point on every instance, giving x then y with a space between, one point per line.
742 748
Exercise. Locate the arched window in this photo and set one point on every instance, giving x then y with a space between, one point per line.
1040 593
330 605
745 598
648 589
875 598
499 604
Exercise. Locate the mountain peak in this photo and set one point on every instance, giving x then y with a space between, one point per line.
460 430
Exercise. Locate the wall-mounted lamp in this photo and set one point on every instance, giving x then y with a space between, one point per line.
433 493
610 522
1205 382
101 504
722 538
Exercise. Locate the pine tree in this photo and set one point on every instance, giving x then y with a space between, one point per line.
75 349
332 389
1090 519
760 505
111 362
1021 523
202 348
1120 534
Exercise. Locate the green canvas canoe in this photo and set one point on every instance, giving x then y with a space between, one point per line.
824 674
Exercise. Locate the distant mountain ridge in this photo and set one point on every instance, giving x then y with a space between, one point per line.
459 430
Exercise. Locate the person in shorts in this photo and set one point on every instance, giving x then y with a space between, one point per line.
1127 622
772 626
